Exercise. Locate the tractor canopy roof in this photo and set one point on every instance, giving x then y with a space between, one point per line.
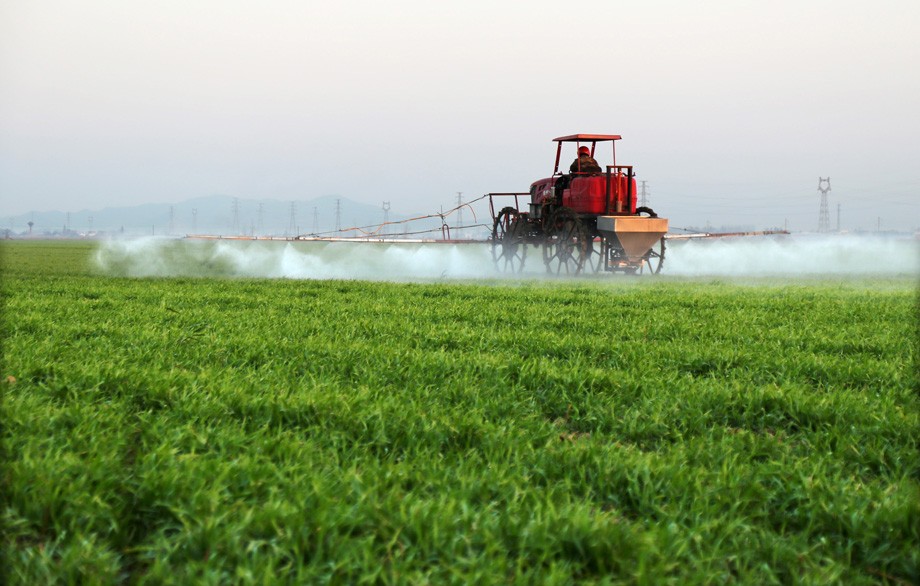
587 138
583 138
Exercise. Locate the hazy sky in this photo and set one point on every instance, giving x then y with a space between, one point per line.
729 109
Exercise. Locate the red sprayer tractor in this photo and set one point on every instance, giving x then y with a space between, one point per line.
584 221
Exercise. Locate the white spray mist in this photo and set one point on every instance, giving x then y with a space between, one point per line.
788 256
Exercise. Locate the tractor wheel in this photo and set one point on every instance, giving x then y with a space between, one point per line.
567 243
595 259
653 260
509 247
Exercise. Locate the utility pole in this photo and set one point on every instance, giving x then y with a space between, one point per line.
315 221
261 224
643 194
824 187
386 217
236 216
338 216
459 209
172 220
194 220
292 220
838 217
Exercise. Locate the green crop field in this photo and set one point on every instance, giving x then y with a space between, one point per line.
615 430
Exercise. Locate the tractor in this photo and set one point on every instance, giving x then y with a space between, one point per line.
584 221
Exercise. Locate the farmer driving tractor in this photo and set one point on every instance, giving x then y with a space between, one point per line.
585 163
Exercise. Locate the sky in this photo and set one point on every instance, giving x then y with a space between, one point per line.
730 110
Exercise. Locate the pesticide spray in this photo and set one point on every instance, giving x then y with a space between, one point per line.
787 256
795 256
152 257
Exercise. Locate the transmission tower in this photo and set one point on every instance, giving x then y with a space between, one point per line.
643 194
338 216
824 187
386 216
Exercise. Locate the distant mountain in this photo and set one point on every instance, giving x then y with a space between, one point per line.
214 214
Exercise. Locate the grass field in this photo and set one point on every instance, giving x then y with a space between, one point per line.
599 431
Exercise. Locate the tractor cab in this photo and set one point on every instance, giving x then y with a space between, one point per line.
609 192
